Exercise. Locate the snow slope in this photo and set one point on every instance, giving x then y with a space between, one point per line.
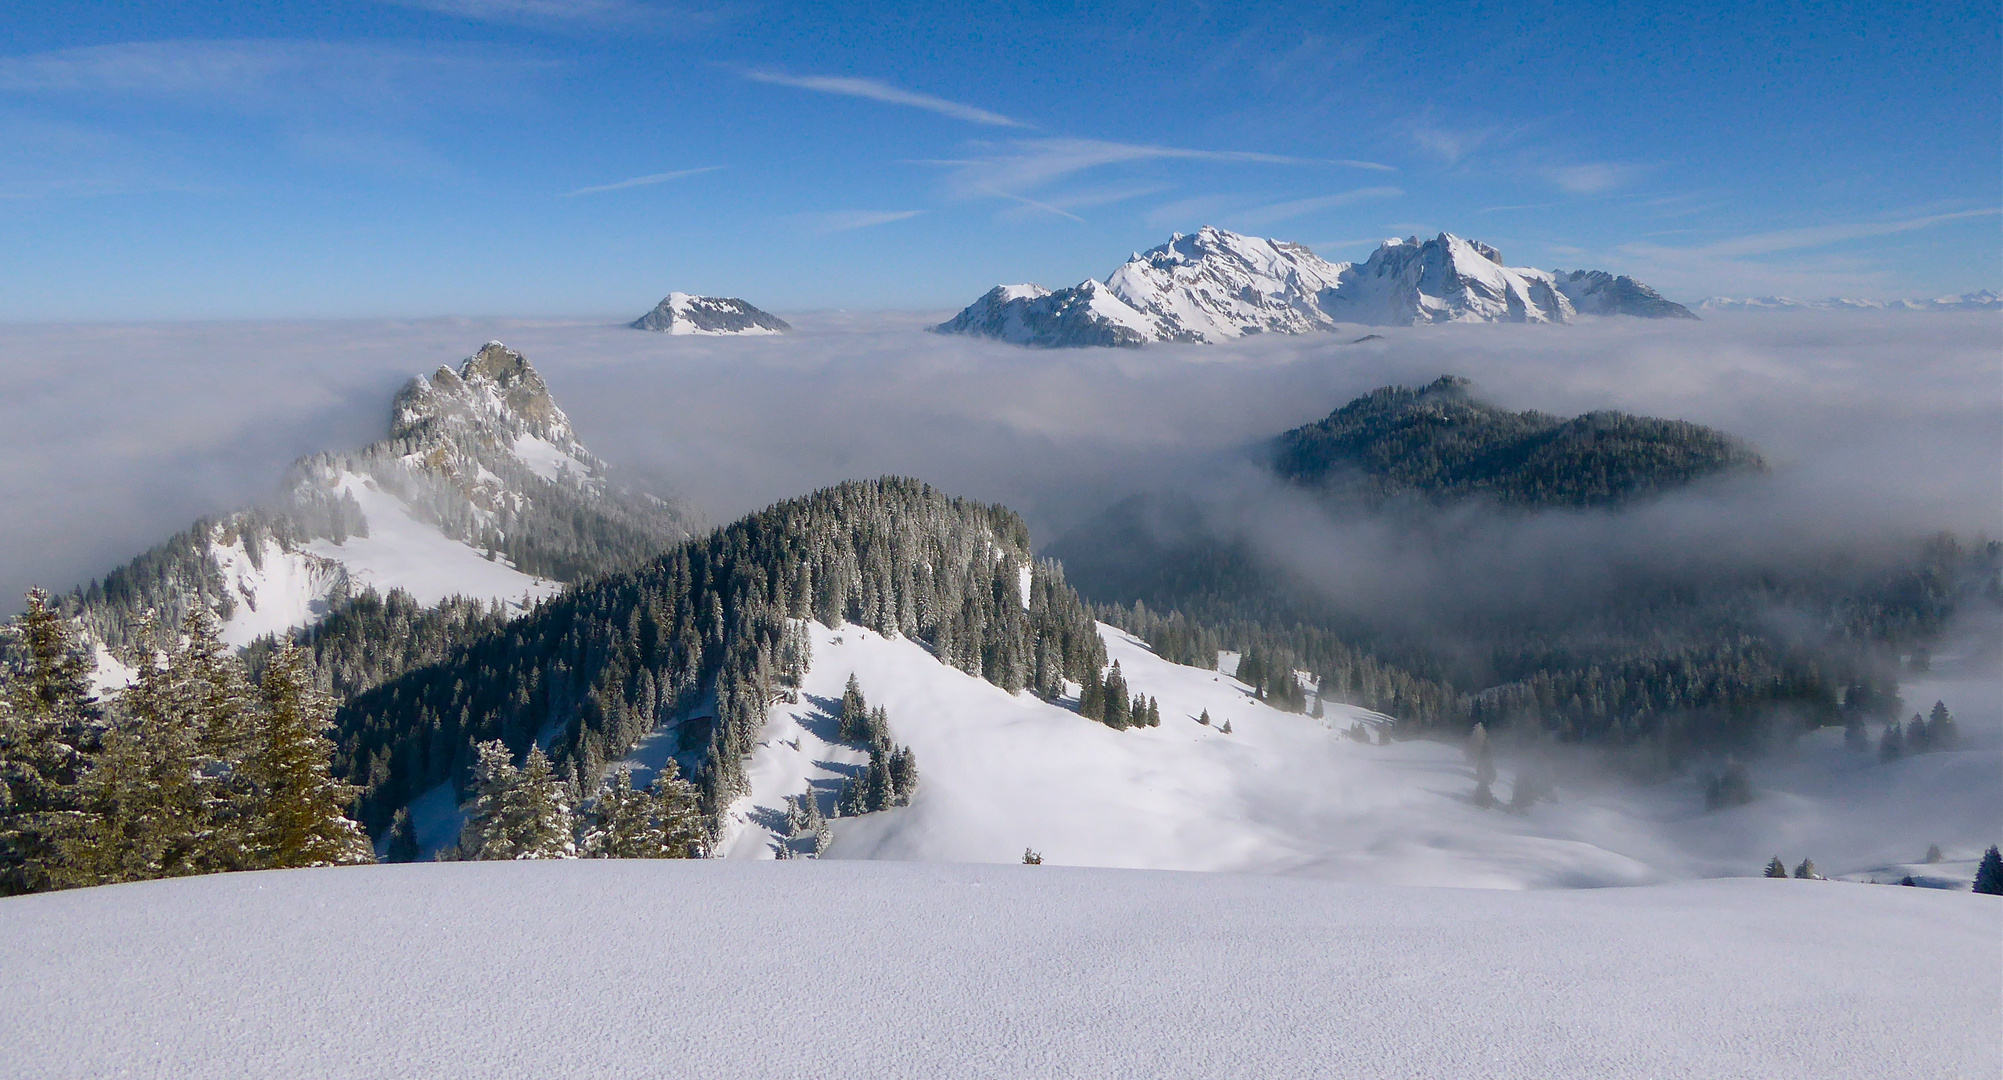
805 968
1214 286
404 552
1445 279
1285 793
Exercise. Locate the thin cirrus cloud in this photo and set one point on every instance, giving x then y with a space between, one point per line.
1031 164
850 220
574 12
1591 178
264 75
874 90
641 181
1823 235
1277 212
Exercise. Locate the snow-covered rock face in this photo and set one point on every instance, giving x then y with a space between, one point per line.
1088 314
1983 300
480 462
494 405
1445 279
1596 292
681 313
1214 286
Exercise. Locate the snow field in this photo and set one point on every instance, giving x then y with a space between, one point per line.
403 552
818 968
1286 794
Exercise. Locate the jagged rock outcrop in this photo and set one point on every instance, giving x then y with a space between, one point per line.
681 313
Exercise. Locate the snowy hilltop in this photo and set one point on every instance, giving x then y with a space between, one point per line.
481 490
681 313
1983 300
1215 286
1596 292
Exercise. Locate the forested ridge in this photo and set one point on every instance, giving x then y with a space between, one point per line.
705 637
1438 441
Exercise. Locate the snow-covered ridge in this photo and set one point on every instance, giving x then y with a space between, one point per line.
1214 286
1983 300
681 313
1596 292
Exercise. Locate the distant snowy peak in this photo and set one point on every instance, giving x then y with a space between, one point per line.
1596 292
1445 279
1983 300
1213 285
681 313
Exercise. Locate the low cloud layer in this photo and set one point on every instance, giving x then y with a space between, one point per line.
1877 424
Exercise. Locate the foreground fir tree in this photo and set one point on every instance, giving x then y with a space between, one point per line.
662 822
1989 873
296 806
1776 868
157 797
48 723
516 813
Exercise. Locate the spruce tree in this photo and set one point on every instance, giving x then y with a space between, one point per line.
1204 718
1805 870
295 815
157 801
1776 868
1890 745
1941 727
1119 710
48 724
402 838
1989 873
855 713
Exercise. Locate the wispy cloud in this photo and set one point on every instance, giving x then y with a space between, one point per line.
1028 165
671 17
642 181
1592 177
847 220
1373 166
1267 215
268 75
1823 235
874 90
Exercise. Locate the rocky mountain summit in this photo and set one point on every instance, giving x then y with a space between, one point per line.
481 490
681 313
1215 286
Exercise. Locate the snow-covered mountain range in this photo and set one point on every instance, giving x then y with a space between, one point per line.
681 313
1983 300
1214 286
481 489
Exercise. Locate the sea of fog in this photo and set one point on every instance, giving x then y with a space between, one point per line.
1878 425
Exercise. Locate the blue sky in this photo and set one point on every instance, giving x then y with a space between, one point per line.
548 157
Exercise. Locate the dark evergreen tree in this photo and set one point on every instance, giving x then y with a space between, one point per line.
402 846
295 807
1776 868
1941 728
1805 869
1989 873
1892 744
49 723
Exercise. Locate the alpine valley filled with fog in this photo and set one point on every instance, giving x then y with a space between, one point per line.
1248 662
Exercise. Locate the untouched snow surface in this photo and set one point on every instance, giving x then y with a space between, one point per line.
1287 794
805 968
